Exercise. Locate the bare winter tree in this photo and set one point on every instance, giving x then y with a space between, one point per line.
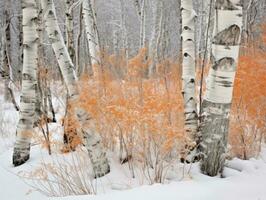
4 65
156 29
77 35
70 29
123 27
6 50
6 71
189 66
220 82
29 83
89 18
91 138
143 18
137 7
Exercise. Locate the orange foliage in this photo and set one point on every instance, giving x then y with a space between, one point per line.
248 118
135 113
71 126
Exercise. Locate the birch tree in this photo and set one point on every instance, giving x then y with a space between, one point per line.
3 59
80 68
188 66
143 38
155 34
91 138
137 7
91 34
29 83
140 8
166 35
220 82
70 29
124 31
6 42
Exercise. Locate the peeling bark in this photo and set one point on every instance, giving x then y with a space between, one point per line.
220 81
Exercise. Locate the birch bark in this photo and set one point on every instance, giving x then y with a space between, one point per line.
6 38
143 38
220 81
124 31
91 138
155 34
188 66
80 68
141 12
29 83
91 34
137 7
2 51
70 29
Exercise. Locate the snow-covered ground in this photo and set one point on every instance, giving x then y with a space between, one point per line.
247 181
243 180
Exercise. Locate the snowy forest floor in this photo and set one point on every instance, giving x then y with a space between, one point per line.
244 180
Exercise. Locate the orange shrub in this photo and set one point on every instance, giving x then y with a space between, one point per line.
248 118
140 118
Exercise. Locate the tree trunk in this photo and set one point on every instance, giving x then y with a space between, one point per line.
80 69
124 31
188 66
137 7
18 72
220 82
166 37
155 33
6 40
29 83
91 34
143 38
70 30
91 138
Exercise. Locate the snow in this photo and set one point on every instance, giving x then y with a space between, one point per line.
247 182
244 180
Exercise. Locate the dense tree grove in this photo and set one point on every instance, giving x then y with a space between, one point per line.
152 81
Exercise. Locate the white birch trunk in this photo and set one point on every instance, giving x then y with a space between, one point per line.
91 138
80 68
159 38
116 42
70 29
124 31
29 84
3 62
188 66
166 36
137 7
220 82
143 38
91 34
141 12
6 40
2 51
155 34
